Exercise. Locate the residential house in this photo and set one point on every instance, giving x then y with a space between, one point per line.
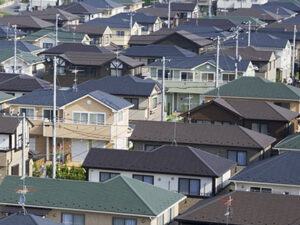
276 175
25 23
42 5
181 38
225 24
84 11
84 62
88 203
242 21
294 6
8 33
130 5
85 120
11 135
4 99
24 218
269 42
49 15
144 94
261 116
236 143
188 78
290 143
244 208
108 8
99 34
191 171
20 84
46 38
236 4
257 88
148 23
185 10
278 10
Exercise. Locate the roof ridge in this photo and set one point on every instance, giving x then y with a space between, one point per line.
244 130
138 195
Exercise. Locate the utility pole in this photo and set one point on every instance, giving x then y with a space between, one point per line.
249 33
56 29
23 145
131 22
209 8
294 52
217 61
15 48
236 53
169 14
163 89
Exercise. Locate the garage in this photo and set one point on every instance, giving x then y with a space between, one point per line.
80 149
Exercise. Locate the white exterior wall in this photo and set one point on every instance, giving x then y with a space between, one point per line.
4 141
168 182
276 189
25 68
235 4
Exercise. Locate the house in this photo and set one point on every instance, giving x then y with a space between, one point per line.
257 88
84 11
27 62
49 15
225 24
99 34
108 8
191 171
148 23
294 6
276 175
20 84
46 38
4 99
243 208
185 10
290 143
38 5
84 62
223 5
24 218
121 29
181 38
237 143
261 116
8 33
130 5
25 23
188 78
11 135
85 120
144 94
242 20
278 10
88 203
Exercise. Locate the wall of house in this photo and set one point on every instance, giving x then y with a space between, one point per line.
276 189
4 141
165 181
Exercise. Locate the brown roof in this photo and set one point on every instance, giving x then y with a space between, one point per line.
25 21
9 124
199 134
250 109
247 208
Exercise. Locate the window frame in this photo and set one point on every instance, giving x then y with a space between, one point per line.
109 174
124 220
189 185
187 72
88 118
207 81
236 156
136 106
154 106
31 108
143 178
73 214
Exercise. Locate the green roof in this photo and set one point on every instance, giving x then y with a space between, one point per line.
5 97
120 195
28 57
291 142
242 19
62 35
257 88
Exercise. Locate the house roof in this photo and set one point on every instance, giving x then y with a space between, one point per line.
291 142
158 51
21 45
225 24
79 8
5 97
103 4
277 10
62 35
8 32
112 22
291 5
138 17
126 85
177 6
26 219
247 207
49 14
282 169
199 134
91 29
111 196
45 98
205 31
27 57
260 14
249 109
21 82
9 124
242 20
256 88
160 12
25 21
180 160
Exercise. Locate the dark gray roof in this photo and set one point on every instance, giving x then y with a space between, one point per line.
21 82
45 98
205 31
158 51
25 22
112 22
224 24
278 10
199 134
49 14
79 8
26 219
125 85
260 14
159 12
9 32
140 18
178 6
294 6
91 29
9 124
167 159
103 4
281 169
21 45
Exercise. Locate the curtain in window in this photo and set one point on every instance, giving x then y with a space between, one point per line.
78 220
104 177
119 221
148 179
255 127
194 187
67 219
84 118
242 158
184 186
93 118
130 222
76 117
100 119
232 155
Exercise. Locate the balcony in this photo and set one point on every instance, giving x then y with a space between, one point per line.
78 131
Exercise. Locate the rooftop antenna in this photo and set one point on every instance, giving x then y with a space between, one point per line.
22 193
75 71
228 209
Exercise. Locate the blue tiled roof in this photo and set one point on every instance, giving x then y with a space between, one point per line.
103 4
21 45
140 18
6 31
111 22
205 31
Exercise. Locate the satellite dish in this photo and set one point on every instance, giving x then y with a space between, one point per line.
289 80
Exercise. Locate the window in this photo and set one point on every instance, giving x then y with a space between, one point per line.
154 103
123 221
47 45
48 114
120 33
258 189
188 76
283 104
29 113
168 74
228 77
72 219
104 176
144 178
260 127
240 157
150 147
134 101
189 186
207 77
89 118
120 116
